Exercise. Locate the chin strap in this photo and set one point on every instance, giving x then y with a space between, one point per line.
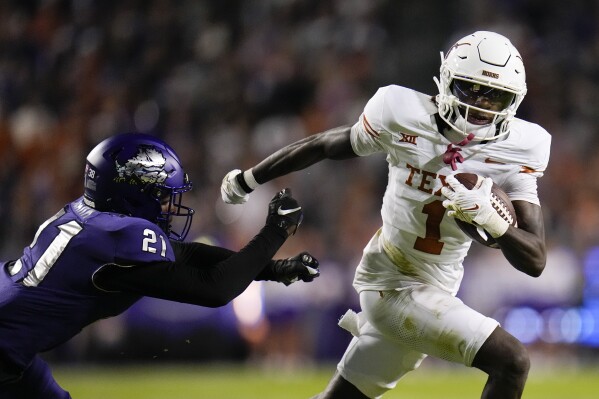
452 154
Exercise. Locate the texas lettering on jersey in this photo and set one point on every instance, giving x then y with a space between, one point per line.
425 181
401 123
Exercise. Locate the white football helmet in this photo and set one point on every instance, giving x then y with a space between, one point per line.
481 84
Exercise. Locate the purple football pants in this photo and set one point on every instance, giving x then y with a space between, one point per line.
37 382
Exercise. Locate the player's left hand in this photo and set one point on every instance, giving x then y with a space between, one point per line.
300 267
474 206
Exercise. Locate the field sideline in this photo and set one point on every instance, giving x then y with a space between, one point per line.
241 382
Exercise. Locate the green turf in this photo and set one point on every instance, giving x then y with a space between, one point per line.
238 382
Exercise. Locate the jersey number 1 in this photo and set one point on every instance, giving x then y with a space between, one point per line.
431 243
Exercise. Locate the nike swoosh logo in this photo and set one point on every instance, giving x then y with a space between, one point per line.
284 212
472 209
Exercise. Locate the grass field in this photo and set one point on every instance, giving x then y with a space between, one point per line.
238 382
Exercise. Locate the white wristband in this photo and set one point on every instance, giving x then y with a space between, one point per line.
248 176
497 226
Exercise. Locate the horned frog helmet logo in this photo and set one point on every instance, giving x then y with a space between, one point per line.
146 166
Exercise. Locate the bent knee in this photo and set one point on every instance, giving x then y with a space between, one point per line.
520 361
515 362
504 355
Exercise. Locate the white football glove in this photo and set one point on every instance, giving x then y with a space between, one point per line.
474 206
230 189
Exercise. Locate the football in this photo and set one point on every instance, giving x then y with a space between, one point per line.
500 202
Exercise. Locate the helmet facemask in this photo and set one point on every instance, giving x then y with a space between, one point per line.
482 83
171 204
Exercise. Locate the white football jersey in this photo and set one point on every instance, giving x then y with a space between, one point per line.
425 244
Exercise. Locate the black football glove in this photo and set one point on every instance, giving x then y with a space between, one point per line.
287 271
285 212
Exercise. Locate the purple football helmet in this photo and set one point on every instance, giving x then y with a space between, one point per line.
138 175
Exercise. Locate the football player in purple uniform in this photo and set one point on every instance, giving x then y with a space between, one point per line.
104 251
412 267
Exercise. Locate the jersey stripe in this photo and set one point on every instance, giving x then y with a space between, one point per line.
369 128
15 267
44 225
527 169
51 255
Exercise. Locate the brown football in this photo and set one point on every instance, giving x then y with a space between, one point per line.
500 202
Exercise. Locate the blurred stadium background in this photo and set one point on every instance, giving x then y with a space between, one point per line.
227 82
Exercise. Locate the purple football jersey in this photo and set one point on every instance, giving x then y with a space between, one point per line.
47 296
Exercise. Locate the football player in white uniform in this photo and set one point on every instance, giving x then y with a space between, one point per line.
411 269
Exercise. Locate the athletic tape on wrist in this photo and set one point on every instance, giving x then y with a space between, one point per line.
244 186
250 180
498 227
247 181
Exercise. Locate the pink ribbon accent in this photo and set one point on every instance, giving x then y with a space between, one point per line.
452 155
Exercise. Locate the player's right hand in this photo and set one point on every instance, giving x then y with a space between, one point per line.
285 212
230 189
302 267
474 206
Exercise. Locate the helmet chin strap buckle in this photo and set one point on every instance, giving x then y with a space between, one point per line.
452 155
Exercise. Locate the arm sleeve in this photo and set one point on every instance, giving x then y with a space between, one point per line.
198 254
367 133
522 187
200 275
534 152
202 255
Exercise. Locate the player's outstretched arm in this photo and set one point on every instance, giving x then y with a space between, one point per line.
331 144
524 246
219 284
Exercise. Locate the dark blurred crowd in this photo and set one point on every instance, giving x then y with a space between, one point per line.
227 82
